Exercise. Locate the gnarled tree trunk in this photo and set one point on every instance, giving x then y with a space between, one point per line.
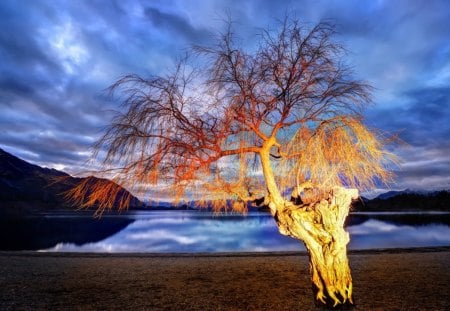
320 226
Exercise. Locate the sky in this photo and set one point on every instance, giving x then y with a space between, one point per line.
58 57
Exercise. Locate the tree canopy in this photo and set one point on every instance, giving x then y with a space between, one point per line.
230 123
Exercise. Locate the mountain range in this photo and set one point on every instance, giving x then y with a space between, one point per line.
406 200
28 188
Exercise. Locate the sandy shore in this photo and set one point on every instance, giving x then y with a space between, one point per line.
417 279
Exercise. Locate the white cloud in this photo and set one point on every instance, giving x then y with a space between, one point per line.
67 46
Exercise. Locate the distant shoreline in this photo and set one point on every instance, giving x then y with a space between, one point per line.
375 251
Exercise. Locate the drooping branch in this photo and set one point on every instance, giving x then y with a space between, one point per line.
338 151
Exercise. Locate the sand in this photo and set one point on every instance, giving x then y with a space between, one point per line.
417 279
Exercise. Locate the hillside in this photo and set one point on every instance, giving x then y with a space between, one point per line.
25 187
406 201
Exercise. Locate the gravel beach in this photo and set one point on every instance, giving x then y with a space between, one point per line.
405 279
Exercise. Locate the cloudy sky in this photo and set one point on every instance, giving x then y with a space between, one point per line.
57 58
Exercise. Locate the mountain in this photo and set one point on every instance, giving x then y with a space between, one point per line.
25 187
394 193
407 200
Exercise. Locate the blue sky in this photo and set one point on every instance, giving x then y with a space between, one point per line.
58 57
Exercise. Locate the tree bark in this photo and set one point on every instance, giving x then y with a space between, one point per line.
320 226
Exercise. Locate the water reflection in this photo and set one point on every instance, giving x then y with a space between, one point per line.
46 231
190 231
379 234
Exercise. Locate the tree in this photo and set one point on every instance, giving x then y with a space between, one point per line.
281 122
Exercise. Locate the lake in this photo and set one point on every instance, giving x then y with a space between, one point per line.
195 231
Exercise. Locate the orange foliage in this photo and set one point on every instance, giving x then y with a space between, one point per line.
100 193
338 151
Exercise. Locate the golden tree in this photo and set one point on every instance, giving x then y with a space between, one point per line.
281 122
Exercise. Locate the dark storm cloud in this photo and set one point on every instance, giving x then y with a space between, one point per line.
429 111
176 25
422 123
49 100
425 167
422 120
19 43
20 47
10 86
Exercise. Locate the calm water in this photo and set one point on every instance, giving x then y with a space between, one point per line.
192 231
